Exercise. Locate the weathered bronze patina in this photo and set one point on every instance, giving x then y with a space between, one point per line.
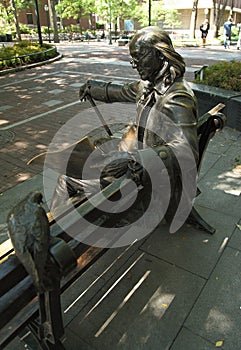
166 113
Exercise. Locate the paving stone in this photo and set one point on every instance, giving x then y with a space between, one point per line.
36 88
208 162
142 307
71 341
18 192
189 248
235 241
222 140
187 340
55 91
52 103
217 314
76 84
230 159
5 108
214 187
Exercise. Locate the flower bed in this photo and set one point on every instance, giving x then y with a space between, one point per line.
24 53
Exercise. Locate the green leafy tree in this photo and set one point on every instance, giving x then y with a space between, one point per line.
116 9
157 14
111 10
172 19
6 12
154 15
9 12
76 9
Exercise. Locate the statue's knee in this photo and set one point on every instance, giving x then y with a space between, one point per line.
62 181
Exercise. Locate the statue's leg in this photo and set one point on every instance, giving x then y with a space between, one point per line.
69 187
61 193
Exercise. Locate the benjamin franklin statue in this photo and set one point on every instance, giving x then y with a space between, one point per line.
166 122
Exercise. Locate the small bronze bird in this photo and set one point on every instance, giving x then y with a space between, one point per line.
29 231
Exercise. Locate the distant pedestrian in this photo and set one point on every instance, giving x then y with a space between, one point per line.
87 37
204 28
71 35
227 32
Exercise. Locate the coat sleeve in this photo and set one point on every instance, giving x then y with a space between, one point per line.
113 91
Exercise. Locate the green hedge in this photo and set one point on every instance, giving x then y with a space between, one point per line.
226 75
25 52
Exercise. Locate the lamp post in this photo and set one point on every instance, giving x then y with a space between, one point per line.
110 37
149 12
46 9
38 23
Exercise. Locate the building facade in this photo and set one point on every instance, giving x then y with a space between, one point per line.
205 10
29 18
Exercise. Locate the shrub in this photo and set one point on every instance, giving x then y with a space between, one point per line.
25 52
226 75
25 29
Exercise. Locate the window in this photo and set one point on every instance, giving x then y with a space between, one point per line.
29 18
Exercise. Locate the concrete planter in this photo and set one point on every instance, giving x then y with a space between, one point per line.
3 38
209 96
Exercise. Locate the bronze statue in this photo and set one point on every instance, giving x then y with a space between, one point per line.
166 115
29 231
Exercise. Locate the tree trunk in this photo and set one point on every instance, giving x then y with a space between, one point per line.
193 19
54 21
92 26
79 21
231 7
219 10
15 15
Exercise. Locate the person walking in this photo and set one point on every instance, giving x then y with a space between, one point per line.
204 28
227 32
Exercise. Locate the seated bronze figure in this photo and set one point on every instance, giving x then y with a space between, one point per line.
166 127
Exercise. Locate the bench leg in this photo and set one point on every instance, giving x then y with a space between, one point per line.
49 329
35 342
196 220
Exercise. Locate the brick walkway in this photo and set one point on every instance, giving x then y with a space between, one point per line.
36 102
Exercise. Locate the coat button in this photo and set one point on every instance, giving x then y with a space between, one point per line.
163 155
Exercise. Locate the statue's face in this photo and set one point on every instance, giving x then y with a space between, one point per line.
147 61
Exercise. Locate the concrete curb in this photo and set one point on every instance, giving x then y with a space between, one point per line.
209 96
33 65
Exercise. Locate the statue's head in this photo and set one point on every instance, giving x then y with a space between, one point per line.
152 52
